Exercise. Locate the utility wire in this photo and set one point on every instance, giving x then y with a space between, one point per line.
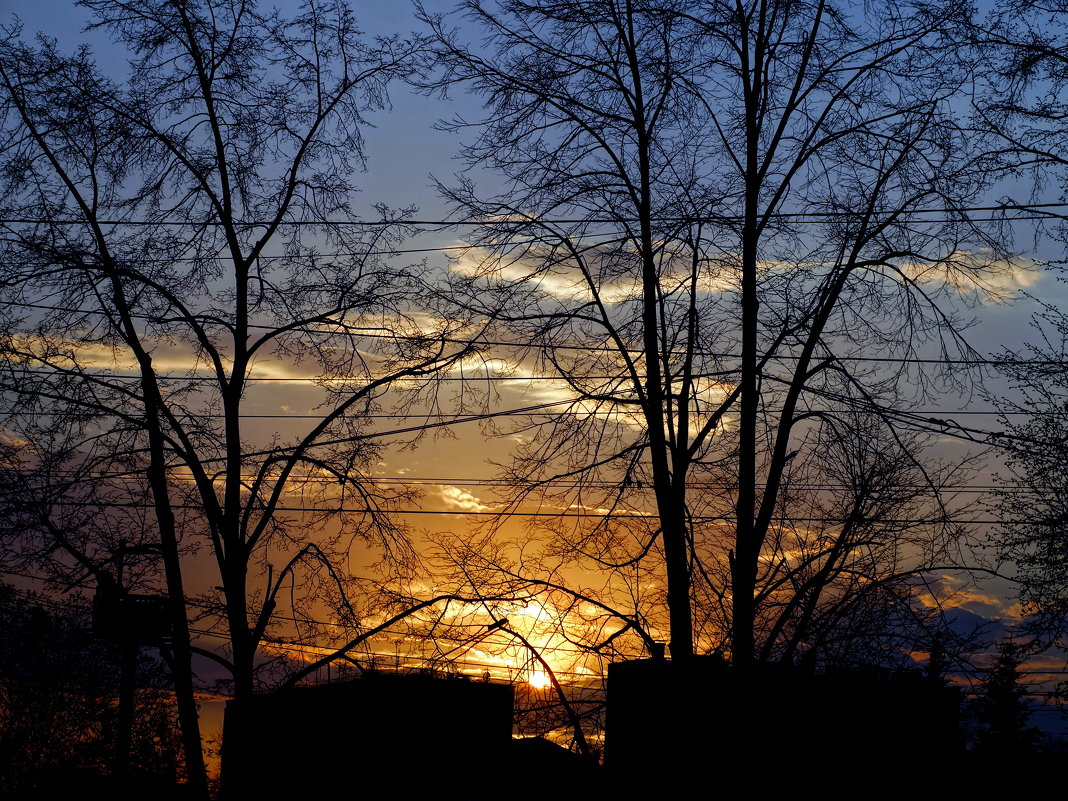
60 413
492 482
622 378
584 515
321 256
1029 209
393 337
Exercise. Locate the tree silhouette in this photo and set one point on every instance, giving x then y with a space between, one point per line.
1035 502
711 233
59 693
1026 76
1003 712
164 241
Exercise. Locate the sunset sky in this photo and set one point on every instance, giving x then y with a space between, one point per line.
453 468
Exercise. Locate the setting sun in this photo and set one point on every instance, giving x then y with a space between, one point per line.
538 679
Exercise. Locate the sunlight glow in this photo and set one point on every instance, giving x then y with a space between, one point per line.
538 679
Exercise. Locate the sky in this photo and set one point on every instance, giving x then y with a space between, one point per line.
403 151
403 147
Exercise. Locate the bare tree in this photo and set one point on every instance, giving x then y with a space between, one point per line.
1034 500
171 240
730 229
1025 76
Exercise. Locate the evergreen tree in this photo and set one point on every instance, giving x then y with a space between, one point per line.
1003 712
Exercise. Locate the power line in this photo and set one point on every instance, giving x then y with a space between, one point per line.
60 413
535 484
136 377
430 418
326 255
549 346
919 421
584 515
621 377
924 416
1029 213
